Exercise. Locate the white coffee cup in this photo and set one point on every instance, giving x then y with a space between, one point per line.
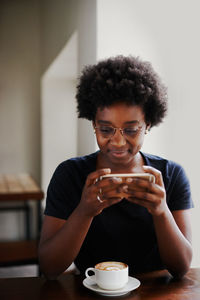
109 275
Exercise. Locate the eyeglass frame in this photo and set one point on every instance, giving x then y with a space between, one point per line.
121 131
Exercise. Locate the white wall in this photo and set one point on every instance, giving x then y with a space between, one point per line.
58 114
59 125
87 29
165 33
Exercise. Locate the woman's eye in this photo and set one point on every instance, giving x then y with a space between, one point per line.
106 129
130 131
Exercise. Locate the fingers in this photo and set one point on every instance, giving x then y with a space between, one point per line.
111 190
107 186
108 199
150 195
146 190
152 203
112 194
142 196
156 173
93 177
93 199
112 201
150 206
139 184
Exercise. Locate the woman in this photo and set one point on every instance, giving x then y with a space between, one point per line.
141 223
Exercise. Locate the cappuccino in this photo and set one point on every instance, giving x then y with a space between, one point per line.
111 266
109 275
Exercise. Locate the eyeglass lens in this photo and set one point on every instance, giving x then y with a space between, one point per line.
109 131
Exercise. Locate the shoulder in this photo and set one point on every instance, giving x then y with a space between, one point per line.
84 160
73 171
166 166
171 171
82 163
175 180
65 187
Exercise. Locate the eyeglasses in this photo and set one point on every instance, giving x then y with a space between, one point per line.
109 131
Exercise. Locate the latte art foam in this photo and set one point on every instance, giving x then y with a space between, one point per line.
111 266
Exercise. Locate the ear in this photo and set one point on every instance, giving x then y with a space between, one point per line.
93 125
148 126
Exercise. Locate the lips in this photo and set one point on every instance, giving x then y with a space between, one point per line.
118 153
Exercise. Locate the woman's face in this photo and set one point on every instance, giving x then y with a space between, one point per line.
116 146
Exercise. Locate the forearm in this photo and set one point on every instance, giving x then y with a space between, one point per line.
58 252
175 249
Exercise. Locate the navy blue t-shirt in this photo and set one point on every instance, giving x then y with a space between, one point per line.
124 231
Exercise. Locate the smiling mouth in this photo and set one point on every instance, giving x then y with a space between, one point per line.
118 153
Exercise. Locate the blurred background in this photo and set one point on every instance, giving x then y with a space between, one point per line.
44 44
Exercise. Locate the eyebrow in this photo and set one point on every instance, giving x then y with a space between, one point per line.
110 123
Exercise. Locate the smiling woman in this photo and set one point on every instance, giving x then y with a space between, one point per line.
120 132
141 223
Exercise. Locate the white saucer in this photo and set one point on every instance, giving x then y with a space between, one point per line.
131 285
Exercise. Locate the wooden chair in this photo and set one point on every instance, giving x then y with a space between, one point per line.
17 190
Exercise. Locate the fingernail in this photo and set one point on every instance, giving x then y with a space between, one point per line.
129 180
107 170
117 179
125 188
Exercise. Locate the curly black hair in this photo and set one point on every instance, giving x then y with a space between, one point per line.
121 79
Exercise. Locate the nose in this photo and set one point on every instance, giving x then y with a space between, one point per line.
118 139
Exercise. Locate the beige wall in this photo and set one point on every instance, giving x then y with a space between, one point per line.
32 35
19 98
19 87
68 38
58 22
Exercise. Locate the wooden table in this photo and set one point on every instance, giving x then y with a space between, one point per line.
154 286
16 190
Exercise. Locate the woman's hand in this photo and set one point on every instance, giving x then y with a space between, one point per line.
148 194
99 194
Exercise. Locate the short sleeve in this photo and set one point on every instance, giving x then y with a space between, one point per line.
179 192
62 193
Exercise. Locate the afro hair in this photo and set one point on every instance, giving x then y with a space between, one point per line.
121 79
